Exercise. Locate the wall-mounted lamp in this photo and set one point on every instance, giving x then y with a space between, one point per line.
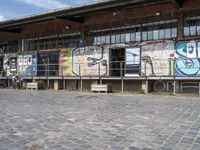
158 14
67 27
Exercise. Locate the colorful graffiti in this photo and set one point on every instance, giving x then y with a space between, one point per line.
9 64
156 58
91 61
65 63
27 64
187 58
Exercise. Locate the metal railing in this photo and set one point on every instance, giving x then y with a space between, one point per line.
144 68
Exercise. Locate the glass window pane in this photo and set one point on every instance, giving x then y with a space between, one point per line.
155 34
128 37
150 35
144 36
174 32
198 30
123 37
138 36
103 40
98 40
167 33
161 34
95 41
118 38
192 30
132 36
113 39
186 31
107 39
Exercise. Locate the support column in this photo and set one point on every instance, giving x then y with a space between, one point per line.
122 85
145 86
174 87
199 88
81 85
48 84
180 25
56 85
64 84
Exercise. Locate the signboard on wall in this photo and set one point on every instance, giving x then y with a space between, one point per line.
13 64
132 61
27 64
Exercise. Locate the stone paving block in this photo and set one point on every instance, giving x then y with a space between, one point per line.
50 120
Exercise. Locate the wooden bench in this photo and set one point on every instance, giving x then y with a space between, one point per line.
101 88
32 86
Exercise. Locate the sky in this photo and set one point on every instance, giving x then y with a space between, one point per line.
11 9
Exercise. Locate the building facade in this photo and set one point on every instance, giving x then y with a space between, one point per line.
136 46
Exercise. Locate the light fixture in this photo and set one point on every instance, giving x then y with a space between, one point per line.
67 27
158 14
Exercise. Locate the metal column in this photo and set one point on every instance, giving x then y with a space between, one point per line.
174 87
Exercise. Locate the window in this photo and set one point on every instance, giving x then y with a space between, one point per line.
192 26
166 29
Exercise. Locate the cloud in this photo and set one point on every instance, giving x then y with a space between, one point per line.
2 18
47 4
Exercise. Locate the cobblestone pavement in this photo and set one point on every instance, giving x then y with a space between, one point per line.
50 120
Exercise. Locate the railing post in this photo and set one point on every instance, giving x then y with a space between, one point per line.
145 68
79 70
80 77
174 87
121 69
32 72
121 75
99 70
199 88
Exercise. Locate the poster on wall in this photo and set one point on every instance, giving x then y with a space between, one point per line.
27 64
13 64
132 63
187 61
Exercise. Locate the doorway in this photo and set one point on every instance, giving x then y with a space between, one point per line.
117 60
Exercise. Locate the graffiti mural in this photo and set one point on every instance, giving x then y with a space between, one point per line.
156 58
27 64
65 63
187 58
9 64
91 61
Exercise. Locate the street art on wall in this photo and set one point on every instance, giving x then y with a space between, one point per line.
91 61
65 63
27 64
9 65
187 58
156 58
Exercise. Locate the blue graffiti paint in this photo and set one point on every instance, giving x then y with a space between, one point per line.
181 49
198 49
185 66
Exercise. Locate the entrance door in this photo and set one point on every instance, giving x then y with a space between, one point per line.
116 60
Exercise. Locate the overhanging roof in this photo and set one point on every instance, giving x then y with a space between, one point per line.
78 13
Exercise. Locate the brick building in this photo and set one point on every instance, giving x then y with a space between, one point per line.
134 45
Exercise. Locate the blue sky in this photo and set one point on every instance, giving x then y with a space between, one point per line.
10 9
